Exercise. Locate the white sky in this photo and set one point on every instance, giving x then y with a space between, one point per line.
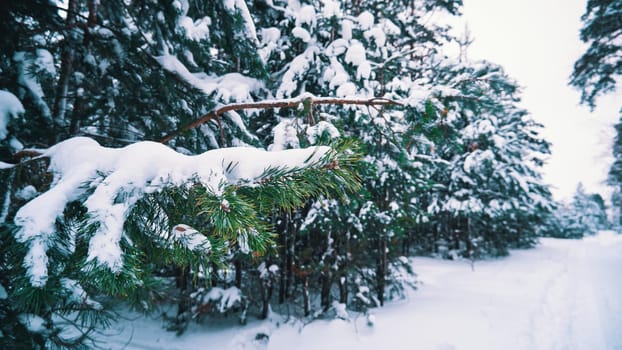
538 42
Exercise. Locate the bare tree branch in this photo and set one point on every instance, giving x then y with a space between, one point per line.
286 103
310 100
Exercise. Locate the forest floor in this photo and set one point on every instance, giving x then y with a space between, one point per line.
564 294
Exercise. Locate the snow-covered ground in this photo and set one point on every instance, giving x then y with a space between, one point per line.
564 294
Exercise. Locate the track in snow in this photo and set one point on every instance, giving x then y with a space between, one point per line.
562 295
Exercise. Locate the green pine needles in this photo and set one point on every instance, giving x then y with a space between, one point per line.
178 237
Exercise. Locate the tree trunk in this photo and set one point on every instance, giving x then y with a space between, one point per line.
406 243
381 268
326 283
78 107
265 292
343 289
182 282
344 250
66 70
467 238
305 295
288 244
328 260
290 263
238 272
214 275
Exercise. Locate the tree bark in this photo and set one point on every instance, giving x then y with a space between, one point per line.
265 291
343 288
326 283
66 70
305 295
238 272
381 268
343 270
287 242
182 282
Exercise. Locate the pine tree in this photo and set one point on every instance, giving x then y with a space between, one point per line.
590 211
365 49
585 215
491 195
121 228
125 72
614 177
563 223
598 69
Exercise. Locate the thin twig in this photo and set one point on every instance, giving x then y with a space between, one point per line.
286 103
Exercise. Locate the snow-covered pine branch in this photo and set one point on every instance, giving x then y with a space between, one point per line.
109 182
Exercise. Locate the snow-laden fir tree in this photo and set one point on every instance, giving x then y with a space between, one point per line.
491 195
586 214
367 49
590 211
129 71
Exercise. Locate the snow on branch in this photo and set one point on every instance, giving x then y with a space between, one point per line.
305 100
109 182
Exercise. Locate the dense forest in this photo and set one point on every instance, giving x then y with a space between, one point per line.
241 157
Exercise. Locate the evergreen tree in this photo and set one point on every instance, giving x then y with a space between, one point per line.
614 177
367 49
124 72
563 223
598 69
584 215
491 196
121 225
590 211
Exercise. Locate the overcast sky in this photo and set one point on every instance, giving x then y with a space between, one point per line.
538 42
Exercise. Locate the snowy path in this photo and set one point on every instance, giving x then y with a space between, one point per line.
564 294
